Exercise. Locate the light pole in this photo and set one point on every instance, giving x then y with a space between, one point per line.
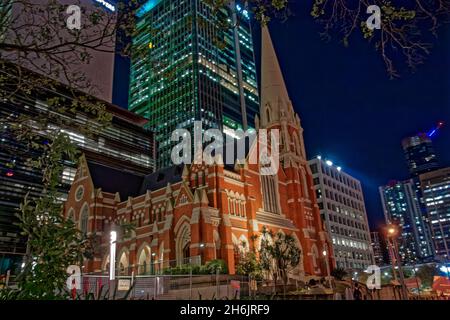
112 260
324 253
392 234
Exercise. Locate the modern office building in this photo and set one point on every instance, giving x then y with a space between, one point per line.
436 195
377 247
98 74
401 205
341 203
188 66
419 154
125 145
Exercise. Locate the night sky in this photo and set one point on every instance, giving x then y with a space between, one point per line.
352 113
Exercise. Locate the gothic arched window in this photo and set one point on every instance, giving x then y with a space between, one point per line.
270 193
84 216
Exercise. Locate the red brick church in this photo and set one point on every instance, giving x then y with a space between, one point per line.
209 212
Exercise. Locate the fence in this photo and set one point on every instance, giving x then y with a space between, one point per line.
214 286
167 267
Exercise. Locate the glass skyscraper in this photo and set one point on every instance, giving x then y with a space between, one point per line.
436 195
190 63
124 144
401 205
420 155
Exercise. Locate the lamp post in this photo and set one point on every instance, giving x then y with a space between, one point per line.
324 253
112 260
202 247
392 234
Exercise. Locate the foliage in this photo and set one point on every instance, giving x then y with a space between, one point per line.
426 274
279 254
53 242
339 273
216 265
407 28
249 265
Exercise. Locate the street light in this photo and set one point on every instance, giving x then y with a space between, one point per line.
324 253
112 261
392 232
112 255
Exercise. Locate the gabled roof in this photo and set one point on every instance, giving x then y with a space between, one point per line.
112 180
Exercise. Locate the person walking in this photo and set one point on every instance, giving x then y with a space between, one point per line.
348 293
357 294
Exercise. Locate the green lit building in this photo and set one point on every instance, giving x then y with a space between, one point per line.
192 63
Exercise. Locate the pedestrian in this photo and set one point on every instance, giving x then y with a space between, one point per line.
337 296
74 286
357 294
348 294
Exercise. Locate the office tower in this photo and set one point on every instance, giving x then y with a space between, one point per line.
401 205
436 194
341 203
124 145
419 154
377 247
96 77
187 67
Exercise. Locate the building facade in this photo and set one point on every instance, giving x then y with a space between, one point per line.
209 211
401 205
436 195
341 204
98 74
124 144
190 63
378 250
419 154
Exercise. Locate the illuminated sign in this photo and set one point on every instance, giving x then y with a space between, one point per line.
106 4
146 7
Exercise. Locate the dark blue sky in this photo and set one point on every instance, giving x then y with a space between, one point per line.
351 111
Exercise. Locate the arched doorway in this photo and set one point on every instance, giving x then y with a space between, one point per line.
144 260
123 263
183 244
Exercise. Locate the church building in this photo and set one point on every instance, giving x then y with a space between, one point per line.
198 212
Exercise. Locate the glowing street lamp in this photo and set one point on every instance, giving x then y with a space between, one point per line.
112 255
325 253
392 232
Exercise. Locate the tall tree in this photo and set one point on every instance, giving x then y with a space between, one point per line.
279 255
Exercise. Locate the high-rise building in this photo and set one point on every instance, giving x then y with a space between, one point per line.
377 247
124 145
187 66
98 74
436 195
401 205
341 203
419 153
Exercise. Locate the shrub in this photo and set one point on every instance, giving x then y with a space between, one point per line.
216 264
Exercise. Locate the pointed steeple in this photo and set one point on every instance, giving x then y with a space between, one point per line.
273 88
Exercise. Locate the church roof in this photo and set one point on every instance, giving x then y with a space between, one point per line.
113 180
159 179
130 184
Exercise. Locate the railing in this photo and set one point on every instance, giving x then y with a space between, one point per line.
167 267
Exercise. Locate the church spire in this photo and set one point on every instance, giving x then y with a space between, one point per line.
273 88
